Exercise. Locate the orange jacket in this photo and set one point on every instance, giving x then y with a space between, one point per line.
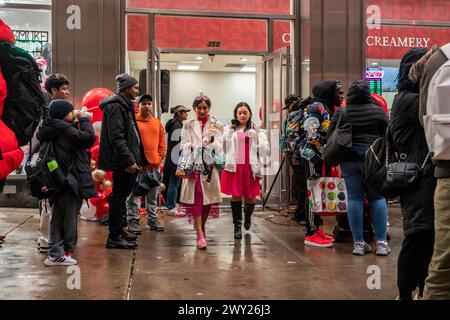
153 139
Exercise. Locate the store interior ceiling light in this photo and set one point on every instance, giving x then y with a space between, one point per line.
244 59
375 63
188 68
199 58
248 69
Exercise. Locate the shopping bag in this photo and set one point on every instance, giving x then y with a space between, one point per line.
327 196
185 167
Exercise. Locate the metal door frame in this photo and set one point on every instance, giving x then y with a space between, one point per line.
285 87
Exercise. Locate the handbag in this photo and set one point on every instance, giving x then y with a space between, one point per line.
145 181
339 143
404 174
327 196
185 167
375 169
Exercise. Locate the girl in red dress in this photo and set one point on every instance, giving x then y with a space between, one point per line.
245 144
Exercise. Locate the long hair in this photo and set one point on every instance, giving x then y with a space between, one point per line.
245 105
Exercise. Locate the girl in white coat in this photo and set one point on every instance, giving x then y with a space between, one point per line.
245 145
200 196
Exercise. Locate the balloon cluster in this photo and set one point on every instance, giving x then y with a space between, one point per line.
97 208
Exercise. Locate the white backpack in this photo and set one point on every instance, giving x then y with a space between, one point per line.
437 118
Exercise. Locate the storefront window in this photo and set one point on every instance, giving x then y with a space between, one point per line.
392 31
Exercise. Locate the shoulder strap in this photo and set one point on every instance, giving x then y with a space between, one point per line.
446 50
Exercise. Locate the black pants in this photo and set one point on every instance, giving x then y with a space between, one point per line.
122 186
413 261
313 221
299 189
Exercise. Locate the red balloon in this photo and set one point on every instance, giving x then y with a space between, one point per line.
92 99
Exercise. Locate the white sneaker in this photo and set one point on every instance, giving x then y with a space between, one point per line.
171 212
361 248
383 248
60 261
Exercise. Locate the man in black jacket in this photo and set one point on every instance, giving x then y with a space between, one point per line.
120 152
330 93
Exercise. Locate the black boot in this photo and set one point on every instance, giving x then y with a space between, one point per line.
248 210
236 209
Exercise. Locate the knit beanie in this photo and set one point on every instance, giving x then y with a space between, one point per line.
58 109
125 82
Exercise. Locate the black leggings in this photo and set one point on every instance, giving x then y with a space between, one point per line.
413 261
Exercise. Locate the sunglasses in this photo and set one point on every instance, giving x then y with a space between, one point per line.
202 98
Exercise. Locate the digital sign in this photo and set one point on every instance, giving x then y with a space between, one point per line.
374 76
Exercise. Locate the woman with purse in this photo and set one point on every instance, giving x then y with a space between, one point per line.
408 140
368 122
245 144
201 138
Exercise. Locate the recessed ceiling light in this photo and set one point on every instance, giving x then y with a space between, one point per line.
188 68
244 59
375 63
199 58
248 69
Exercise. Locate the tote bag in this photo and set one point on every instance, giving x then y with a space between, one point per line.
327 196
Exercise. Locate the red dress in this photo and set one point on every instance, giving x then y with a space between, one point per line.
241 183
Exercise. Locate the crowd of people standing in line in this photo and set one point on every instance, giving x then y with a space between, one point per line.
133 145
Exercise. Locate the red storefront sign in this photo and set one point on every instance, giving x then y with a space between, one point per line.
393 42
248 6
195 33
413 10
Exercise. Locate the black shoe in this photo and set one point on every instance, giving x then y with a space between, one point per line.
248 210
133 227
129 236
154 225
237 231
120 243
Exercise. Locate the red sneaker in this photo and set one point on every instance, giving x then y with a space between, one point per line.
324 235
317 241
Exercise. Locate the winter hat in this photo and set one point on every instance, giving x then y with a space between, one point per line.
58 109
412 56
125 82
359 93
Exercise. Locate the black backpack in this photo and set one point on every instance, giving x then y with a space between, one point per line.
44 177
375 169
25 101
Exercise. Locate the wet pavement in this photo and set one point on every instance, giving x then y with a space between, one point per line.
270 262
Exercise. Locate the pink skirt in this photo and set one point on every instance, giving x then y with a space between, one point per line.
240 183
198 209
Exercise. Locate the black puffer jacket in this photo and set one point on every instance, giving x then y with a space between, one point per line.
369 121
120 142
409 138
70 142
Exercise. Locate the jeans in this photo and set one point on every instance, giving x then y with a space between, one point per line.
152 202
122 185
357 190
172 192
63 224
